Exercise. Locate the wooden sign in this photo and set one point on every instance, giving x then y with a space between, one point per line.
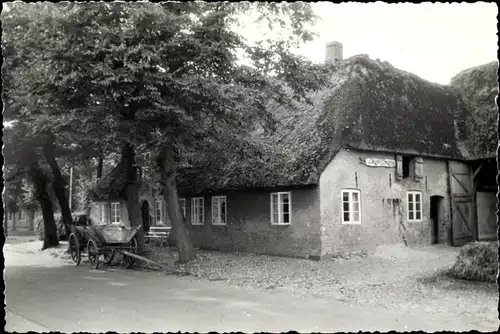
375 162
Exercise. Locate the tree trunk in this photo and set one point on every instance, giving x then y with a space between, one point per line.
132 193
14 214
58 184
41 182
100 165
5 227
179 228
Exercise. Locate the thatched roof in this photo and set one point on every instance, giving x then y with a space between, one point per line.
369 105
479 88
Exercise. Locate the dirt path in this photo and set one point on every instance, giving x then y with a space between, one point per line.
394 278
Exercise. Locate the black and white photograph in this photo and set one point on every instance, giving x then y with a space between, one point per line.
250 166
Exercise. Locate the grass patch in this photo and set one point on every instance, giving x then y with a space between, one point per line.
477 261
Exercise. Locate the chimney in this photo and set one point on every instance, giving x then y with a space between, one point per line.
334 52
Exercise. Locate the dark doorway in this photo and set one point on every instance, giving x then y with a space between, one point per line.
145 216
436 217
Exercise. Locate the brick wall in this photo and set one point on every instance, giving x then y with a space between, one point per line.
249 228
383 203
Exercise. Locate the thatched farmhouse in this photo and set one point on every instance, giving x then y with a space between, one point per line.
382 156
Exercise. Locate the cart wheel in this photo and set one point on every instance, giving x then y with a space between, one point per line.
108 257
128 261
93 252
74 249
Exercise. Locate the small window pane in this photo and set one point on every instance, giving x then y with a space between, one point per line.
418 215
345 196
410 198
286 218
346 216
223 211
346 206
355 197
410 215
417 197
355 216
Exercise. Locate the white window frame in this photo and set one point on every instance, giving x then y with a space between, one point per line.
22 215
158 205
112 216
413 193
350 201
280 213
182 203
218 200
197 207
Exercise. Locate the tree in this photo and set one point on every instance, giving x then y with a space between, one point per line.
22 160
164 76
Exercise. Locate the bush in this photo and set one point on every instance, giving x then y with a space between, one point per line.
78 218
477 261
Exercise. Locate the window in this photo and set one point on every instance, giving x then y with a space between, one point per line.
281 208
219 210
102 213
10 215
351 213
182 203
158 212
414 206
406 166
197 211
115 213
22 215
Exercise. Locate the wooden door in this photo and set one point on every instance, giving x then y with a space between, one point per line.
462 204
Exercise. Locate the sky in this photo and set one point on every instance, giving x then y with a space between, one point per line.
433 41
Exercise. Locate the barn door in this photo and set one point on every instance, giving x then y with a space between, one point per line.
462 207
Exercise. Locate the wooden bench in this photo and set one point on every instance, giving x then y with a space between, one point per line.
158 233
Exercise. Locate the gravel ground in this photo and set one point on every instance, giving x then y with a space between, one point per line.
393 277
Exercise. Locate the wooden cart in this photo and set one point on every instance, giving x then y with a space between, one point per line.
103 240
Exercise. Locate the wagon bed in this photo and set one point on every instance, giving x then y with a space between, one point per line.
104 240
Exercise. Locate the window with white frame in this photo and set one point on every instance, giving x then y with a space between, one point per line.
22 215
281 208
351 213
197 211
10 215
182 203
158 212
115 212
414 212
219 210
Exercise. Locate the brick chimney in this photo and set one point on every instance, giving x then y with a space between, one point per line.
334 52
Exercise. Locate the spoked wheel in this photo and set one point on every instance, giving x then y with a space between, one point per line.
93 252
74 249
108 257
128 261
